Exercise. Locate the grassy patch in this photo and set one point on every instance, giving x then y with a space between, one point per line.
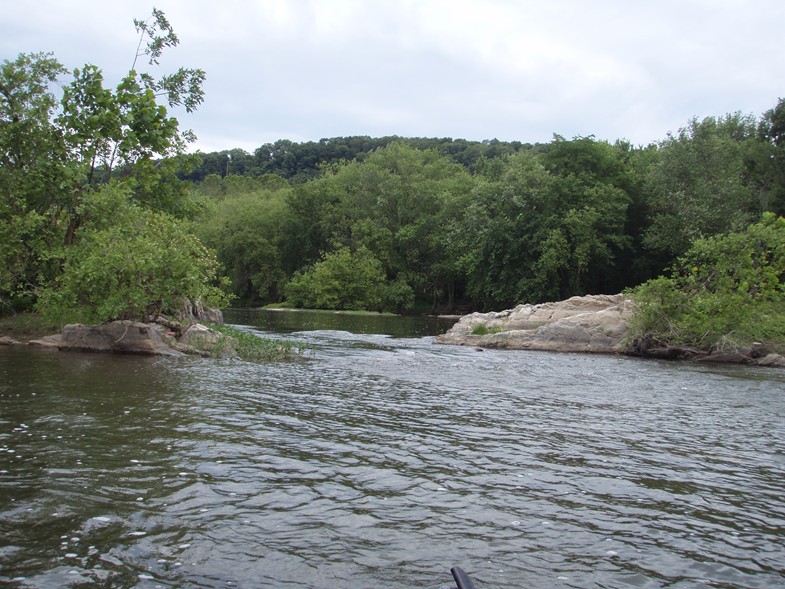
482 329
253 348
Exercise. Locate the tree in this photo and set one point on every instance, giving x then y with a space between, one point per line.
57 154
398 203
129 263
547 226
342 279
698 188
766 164
32 166
502 227
244 230
589 206
126 127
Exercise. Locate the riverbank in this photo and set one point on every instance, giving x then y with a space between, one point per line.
162 338
25 327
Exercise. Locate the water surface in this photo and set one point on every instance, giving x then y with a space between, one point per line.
381 461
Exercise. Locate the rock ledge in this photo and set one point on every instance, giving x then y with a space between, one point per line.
593 323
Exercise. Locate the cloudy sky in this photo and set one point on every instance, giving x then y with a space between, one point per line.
474 69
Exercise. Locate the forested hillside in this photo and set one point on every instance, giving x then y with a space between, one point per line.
397 223
300 162
105 215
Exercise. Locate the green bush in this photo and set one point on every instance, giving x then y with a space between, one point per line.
482 329
727 291
350 280
136 267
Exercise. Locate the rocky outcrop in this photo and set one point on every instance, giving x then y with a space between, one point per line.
196 311
50 342
128 337
594 323
132 337
198 339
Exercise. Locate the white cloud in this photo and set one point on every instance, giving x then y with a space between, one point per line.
512 69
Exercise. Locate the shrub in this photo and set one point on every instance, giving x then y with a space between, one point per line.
139 266
727 291
345 279
483 329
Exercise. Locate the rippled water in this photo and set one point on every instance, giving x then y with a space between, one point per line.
382 462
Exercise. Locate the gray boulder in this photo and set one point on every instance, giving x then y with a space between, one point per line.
592 323
772 360
198 339
128 337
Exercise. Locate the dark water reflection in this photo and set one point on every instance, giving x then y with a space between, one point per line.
381 462
289 320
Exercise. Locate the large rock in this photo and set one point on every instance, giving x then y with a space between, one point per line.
131 337
198 339
128 337
593 323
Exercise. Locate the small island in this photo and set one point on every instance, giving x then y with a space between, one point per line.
722 302
597 324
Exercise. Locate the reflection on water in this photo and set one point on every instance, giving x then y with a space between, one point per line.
381 462
291 320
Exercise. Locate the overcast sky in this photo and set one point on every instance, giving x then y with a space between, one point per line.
474 69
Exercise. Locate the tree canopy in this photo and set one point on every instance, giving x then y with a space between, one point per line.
349 222
62 157
529 224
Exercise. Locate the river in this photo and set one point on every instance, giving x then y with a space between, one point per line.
380 461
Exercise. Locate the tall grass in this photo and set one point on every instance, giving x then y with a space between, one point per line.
254 348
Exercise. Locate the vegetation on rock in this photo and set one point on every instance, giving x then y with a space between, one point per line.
253 348
726 293
91 209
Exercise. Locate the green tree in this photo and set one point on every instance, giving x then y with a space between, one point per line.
502 228
245 231
547 226
589 205
766 164
698 187
127 128
399 203
342 279
32 166
129 263
57 153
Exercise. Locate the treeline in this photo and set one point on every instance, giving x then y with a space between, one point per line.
300 162
393 224
98 220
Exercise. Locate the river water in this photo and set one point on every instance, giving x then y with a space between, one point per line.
380 462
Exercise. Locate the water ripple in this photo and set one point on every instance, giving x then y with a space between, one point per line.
383 462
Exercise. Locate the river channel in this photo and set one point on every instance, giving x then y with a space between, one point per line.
381 459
